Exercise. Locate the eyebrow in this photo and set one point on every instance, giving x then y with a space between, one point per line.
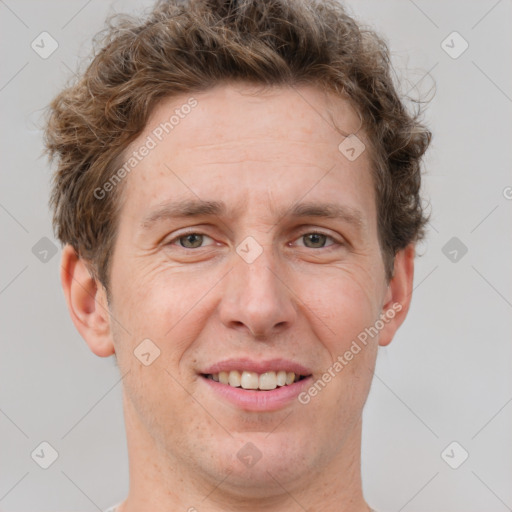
198 208
186 208
328 211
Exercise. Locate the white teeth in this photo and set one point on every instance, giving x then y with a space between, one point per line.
268 381
249 380
234 379
281 378
252 380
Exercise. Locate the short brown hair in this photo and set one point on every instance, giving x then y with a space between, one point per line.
190 46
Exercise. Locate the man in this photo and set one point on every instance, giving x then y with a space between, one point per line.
238 194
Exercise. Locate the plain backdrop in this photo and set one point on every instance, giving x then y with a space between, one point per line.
445 378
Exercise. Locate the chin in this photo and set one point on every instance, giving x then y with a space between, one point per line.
263 462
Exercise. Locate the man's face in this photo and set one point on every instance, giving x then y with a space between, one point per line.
265 282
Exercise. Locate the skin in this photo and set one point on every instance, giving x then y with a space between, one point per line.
300 299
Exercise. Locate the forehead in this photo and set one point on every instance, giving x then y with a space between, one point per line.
302 113
277 143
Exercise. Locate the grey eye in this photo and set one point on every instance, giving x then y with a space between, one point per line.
314 240
191 241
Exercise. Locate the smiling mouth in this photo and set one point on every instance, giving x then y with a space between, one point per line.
255 381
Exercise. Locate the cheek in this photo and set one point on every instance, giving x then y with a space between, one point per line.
164 307
340 304
168 306
341 308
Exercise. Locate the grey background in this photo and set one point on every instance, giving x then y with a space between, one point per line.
447 375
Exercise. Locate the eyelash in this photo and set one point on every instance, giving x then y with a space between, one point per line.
314 232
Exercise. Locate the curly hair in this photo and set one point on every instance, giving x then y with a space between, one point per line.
192 45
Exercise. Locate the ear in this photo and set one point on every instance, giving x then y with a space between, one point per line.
87 303
398 294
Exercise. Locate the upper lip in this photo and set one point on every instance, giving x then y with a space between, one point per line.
252 365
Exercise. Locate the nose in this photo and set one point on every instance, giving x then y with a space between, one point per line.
257 298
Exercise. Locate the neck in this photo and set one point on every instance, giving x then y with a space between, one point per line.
160 483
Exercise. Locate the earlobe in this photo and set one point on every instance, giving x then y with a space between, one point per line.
87 303
398 294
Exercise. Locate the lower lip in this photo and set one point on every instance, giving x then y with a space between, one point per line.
259 401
